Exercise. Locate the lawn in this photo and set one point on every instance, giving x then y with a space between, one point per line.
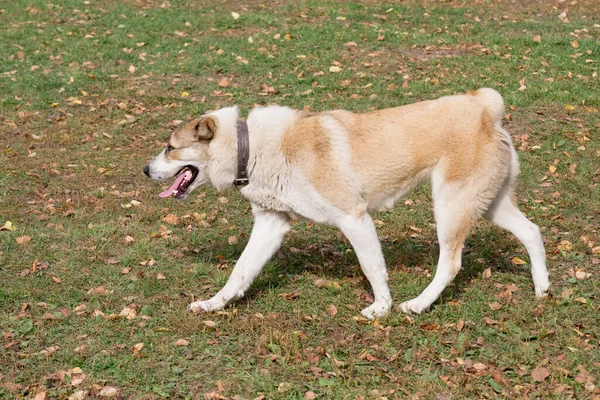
96 270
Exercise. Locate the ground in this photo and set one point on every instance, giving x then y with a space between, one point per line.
96 271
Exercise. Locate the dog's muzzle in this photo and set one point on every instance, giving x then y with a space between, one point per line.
147 171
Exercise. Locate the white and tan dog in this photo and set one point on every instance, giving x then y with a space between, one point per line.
335 167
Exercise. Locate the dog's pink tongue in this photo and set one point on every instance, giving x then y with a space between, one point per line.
173 187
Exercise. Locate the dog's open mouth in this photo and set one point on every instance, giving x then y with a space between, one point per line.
185 178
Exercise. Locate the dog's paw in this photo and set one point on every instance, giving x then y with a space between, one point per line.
412 307
376 310
542 291
206 305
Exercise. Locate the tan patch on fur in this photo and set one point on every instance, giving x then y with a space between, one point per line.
308 145
184 135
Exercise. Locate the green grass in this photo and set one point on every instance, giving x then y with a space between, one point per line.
70 165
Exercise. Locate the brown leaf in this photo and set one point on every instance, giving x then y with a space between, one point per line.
232 240
128 312
171 219
224 82
294 294
182 342
210 324
460 325
41 396
487 273
539 374
108 392
537 38
112 260
495 305
429 327
332 310
129 239
23 240
137 348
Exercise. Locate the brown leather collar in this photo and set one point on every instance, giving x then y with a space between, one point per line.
243 154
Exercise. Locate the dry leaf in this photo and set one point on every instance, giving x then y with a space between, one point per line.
129 239
539 374
487 273
112 260
131 69
517 261
224 82
129 313
137 348
210 324
23 240
460 325
232 240
235 15
108 392
495 306
41 396
160 277
171 219
537 38
566 293
182 342
8 226
332 310
335 69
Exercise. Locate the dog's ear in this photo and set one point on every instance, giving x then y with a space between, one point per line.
206 127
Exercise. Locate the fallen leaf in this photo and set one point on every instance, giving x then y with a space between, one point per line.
210 324
160 277
517 261
108 392
23 239
224 82
129 313
41 396
171 219
137 348
182 342
537 38
8 226
131 69
232 240
112 260
335 69
495 305
235 15
539 374
129 239
332 310
487 273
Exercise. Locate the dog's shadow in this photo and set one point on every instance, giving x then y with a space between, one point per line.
335 260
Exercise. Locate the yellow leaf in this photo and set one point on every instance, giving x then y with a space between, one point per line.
575 44
185 94
569 107
335 69
517 261
8 226
235 15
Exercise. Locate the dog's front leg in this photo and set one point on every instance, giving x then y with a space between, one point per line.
266 237
362 235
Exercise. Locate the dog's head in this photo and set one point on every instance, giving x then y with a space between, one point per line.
186 156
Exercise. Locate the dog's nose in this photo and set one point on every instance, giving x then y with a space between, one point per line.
147 171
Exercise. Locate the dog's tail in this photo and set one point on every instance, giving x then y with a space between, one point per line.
492 102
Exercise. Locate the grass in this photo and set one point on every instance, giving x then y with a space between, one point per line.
90 90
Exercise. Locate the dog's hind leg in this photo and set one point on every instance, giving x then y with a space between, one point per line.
266 237
454 213
362 235
506 215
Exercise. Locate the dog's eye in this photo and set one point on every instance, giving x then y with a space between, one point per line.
169 148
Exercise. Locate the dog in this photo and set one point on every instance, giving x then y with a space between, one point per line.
335 167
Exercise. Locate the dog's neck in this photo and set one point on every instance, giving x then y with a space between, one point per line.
243 153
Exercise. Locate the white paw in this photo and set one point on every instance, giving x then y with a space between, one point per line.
376 310
542 290
206 305
412 307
